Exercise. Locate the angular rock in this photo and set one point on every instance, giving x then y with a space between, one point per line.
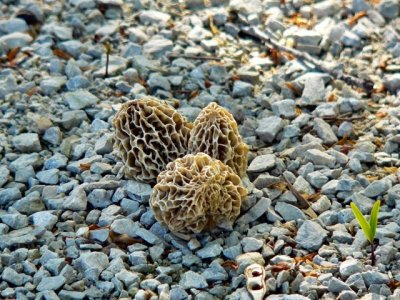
77 200
80 99
269 127
27 142
311 235
255 212
325 131
262 163
191 279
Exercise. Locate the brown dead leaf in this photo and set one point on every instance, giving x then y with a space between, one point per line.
207 83
12 54
61 54
84 166
354 19
230 264
298 111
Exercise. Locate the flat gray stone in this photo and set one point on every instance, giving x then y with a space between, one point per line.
314 91
285 108
51 283
209 251
350 267
269 127
324 131
27 142
4 174
9 195
154 17
256 211
11 276
336 285
377 188
44 219
50 86
289 212
15 40
139 191
96 260
242 89
262 163
191 280
80 99
318 157
71 295
157 47
77 200
29 204
251 244
48 176
374 277
311 235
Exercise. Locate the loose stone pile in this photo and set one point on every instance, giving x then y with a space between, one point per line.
73 227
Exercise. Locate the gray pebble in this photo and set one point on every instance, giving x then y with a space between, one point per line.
191 279
27 142
311 235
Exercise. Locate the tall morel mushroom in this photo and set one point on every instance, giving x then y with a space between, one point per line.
197 192
149 134
216 133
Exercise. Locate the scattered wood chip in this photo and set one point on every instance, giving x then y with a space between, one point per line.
353 20
61 54
230 264
12 54
123 240
213 28
84 166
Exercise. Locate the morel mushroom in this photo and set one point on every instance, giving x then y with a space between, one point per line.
197 192
149 134
216 133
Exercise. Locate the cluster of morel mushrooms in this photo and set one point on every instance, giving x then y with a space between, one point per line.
197 167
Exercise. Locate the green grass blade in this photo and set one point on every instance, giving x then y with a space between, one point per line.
362 221
373 220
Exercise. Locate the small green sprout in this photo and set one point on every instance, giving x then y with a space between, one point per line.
369 228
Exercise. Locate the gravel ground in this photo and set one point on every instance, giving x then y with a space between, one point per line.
72 227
